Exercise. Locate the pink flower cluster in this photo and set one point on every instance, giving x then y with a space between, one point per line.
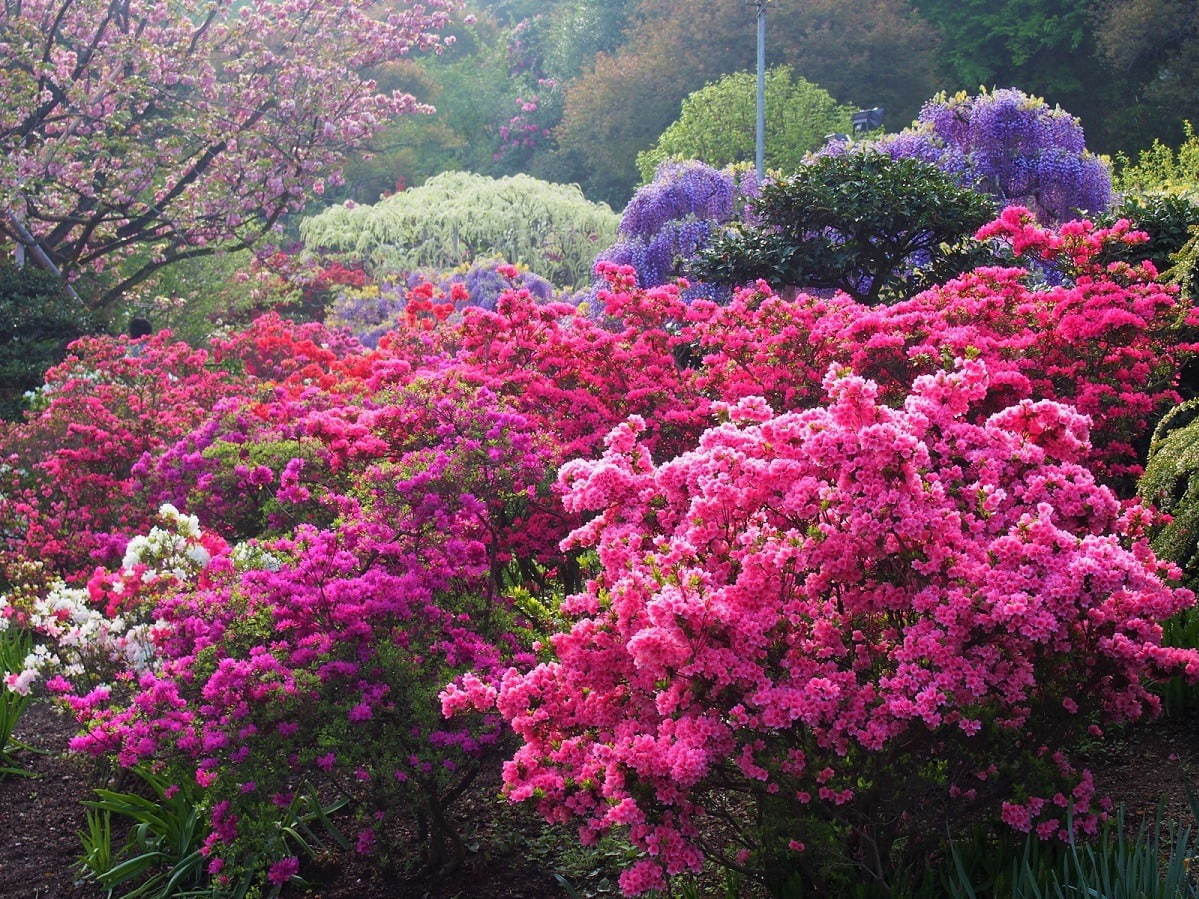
200 146
804 605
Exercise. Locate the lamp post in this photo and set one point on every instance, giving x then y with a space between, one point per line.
867 120
760 131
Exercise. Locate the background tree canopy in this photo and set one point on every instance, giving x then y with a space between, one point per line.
872 53
718 122
571 91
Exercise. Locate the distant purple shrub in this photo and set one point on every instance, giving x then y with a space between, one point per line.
369 313
484 283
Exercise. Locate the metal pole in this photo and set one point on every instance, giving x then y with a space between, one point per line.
760 145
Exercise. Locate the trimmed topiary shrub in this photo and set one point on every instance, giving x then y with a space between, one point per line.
1171 482
875 227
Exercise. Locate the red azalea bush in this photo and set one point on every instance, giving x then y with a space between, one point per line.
1108 340
275 348
578 374
853 625
68 497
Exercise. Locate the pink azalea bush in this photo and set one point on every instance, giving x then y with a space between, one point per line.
854 624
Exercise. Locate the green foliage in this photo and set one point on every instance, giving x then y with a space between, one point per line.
458 217
472 91
1118 863
1150 865
37 321
474 86
1151 48
194 297
717 123
469 87
1171 483
859 223
620 106
577 31
1186 265
161 855
1045 48
1178 696
1166 218
15 644
1161 169
989 41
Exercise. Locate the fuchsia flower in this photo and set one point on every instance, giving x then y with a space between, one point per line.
283 870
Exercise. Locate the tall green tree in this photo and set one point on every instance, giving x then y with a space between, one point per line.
718 122
1152 47
1044 47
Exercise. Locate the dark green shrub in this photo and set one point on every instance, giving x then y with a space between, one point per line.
1166 219
1171 483
37 321
881 229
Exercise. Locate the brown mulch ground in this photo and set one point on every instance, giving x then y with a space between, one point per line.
1150 765
40 818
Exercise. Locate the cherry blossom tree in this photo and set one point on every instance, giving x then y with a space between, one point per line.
149 131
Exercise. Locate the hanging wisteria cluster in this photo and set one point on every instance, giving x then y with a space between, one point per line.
672 218
1014 146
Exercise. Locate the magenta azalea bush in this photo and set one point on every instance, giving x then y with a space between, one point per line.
856 618
309 664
